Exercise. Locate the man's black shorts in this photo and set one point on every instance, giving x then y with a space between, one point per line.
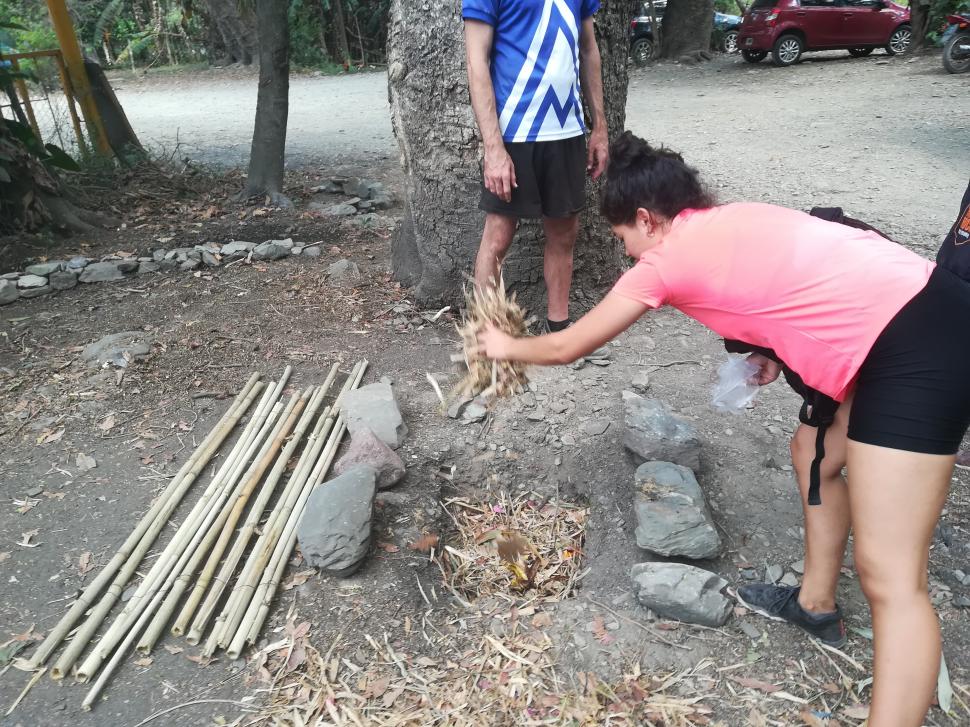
551 176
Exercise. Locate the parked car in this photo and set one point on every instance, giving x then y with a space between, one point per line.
789 28
642 38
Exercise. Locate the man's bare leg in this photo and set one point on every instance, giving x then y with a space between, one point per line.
496 239
558 263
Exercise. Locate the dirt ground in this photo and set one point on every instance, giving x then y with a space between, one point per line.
886 139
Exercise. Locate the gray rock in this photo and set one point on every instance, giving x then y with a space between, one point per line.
146 260
334 532
8 292
536 415
237 248
559 406
128 265
269 250
10 276
312 251
79 262
672 516
750 630
35 292
343 269
355 187
354 202
176 253
149 267
474 412
456 408
210 259
168 265
798 567
287 243
373 189
296 250
101 273
749 574
681 592
25 282
375 407
334 210
654 433
773 573
158 255
44 269
382 201
595 427
641 382
961 601
789 579
63 280
367 449
112 348
192 254
190 265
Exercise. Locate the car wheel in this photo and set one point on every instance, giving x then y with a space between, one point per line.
860 52
642 51
787 50
754 56
730 42
899 41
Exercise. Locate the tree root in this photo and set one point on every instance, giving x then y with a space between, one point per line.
66 216
273 199
695 57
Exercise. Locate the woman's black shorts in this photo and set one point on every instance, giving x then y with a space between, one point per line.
913 390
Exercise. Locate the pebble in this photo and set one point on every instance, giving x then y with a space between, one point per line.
600 361
34 491
750 630
536 415
559 407
798 567
31 281
44 269
35 292
789 579
749 574
773 573
596 427
961 602
641 382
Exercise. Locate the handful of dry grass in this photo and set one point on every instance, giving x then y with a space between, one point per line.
486 378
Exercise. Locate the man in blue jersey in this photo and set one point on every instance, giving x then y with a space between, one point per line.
527 61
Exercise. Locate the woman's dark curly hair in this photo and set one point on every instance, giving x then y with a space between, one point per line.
656 179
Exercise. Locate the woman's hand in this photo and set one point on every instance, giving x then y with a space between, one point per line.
493 343
769 370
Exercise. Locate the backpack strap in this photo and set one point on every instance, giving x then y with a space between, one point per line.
818 413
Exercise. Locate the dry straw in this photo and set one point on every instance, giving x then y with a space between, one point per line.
485 378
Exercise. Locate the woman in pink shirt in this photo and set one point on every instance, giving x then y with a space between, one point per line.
859 319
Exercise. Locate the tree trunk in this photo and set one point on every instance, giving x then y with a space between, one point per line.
920 21
341 48
322 16
687 27
438 137
237 29
272 104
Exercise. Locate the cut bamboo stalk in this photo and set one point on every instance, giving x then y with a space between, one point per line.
228 620
149 585
256 510
258 609
227 476
158 512
253 477
87 630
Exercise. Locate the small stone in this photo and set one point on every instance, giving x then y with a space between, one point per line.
600 361
312 251
654 433
8 292
78 263
343 269
128 265
148 267
672 516
192 254
959 575
798 567
681 592
335 530
559 407
113 348
775 430
287 243
366 448
375 407
237 248
458 407
269 250
355 187
209 259
35 292
190 265
296 250
168 266
961 601
101 273
10 276
474 412
34 491
773 573
382 201
27 282
789 579
749 574
641 382
750 630
158 255
536 415
334 210
595 427
44 269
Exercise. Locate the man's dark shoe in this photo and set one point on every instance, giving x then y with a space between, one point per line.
781 604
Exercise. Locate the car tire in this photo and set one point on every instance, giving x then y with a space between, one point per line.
899 40
788 50
754 56
729 44
641 51
860 52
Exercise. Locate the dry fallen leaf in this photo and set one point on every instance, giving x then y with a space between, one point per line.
54 495
388 547
4 556
425 543
200 660
108 423
600 632
84 562
49 436
297 579
173 650
756 684
146 661
26 537
541 620
858 711
85 462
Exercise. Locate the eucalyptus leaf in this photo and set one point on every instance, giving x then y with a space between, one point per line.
61 159
944 690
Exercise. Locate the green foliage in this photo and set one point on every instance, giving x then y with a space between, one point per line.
939 9
49 154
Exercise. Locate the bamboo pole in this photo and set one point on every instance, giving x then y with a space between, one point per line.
159 512
253 477
228 620
258 609
87 630
151 583
226 477
222 578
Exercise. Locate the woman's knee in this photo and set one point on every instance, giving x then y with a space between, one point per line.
885 581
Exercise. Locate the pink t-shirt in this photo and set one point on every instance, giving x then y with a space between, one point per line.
818 293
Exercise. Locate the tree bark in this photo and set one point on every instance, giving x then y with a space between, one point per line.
436 131
237 29
272 104
920 20
687 27
340 45
322 16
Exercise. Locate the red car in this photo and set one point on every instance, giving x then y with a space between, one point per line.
788 28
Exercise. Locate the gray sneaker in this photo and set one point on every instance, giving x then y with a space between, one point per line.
780 603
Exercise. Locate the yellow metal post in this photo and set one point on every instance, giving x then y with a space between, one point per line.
25 100
71 51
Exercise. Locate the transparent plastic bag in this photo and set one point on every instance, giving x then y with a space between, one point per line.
736 386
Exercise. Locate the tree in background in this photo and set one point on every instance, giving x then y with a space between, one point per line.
687 27
438 138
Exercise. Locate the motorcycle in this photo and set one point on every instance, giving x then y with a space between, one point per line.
956 44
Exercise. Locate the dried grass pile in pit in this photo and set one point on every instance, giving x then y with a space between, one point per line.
491 378
473 680
514 547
